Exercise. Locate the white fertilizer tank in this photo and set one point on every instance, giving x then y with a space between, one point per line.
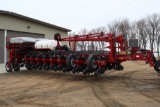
45 44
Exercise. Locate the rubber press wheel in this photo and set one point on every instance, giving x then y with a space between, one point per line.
16 67
91 62
28 66
9 68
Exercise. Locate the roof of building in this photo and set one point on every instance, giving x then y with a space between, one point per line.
32 19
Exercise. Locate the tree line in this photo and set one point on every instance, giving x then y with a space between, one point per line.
146 30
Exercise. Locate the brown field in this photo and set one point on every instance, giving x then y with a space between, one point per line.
137 86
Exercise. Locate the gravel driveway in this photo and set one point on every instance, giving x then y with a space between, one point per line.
137 86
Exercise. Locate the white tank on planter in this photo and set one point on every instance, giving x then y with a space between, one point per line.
46 44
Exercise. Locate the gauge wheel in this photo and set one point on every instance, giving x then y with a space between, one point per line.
70 62
92 59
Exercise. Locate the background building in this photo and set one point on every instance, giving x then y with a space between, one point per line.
16 25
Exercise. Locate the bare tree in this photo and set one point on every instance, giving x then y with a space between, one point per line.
113 27
142 34
71 33
157 31
83 32
158 37
82 45
124 27
152 29
147 30
98 45
119 27
133 32
99 30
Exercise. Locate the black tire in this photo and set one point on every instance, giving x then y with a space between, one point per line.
10 68
103 70
69 62
91 59
39 67
53 66
97 73
57 36
16 67
156 66
64 47
109 66
121 67
116 68
28 66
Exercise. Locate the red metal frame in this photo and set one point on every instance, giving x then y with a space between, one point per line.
112 39
112 57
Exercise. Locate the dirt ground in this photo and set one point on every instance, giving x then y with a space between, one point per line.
137 86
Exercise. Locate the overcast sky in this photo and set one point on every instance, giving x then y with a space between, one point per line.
79 14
